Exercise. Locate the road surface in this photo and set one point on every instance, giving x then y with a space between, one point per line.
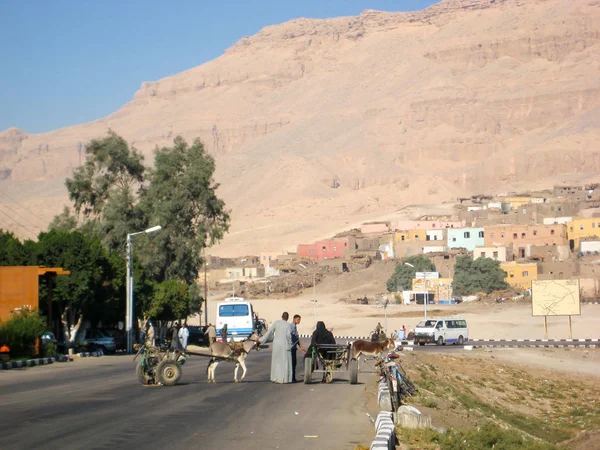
97 403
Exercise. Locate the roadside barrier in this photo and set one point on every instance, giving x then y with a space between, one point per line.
33 362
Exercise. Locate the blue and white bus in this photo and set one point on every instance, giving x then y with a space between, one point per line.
238 314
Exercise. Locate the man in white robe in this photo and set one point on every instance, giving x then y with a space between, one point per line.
281 359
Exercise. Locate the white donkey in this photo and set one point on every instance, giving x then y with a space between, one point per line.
237 352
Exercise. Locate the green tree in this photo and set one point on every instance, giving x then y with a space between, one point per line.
105 189
171 301
94 290
403 275
65 221
480 275
12 251
181 196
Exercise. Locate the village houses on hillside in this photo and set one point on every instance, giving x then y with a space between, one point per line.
545 235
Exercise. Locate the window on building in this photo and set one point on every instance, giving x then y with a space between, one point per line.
535 232
560 208
482 254
335 248
269 258
512 275
324 248
408 252
495 254
416 237
453 239
525 273
524 211
467 234
593 225
523 235
552 232
403 237
552 208
501 234
446 257
311 251
581 227
515 235
481 234
264 258
571 228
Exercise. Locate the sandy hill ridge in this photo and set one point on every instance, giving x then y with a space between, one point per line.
318 124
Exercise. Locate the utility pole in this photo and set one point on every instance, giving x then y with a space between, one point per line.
205 292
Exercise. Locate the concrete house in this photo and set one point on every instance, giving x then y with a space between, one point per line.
520 274
501 254
467 238
519 237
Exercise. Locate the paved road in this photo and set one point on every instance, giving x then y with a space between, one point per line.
97 403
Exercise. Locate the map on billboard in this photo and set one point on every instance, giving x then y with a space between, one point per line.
555 298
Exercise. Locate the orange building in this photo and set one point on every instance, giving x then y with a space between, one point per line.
518 237
19 287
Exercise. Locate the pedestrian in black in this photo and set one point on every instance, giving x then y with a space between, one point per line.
224 333
175 337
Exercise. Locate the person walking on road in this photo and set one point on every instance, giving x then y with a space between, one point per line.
224 333
295 344
281 359
175 345
212 334
183 334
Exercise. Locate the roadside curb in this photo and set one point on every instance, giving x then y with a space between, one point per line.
89 354
33 362
385 430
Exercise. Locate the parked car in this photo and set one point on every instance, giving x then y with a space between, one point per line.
96 339
48 338
118 336
197 336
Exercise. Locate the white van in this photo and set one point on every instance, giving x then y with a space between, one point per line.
238 314
445 329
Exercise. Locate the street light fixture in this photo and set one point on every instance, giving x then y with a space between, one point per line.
129 287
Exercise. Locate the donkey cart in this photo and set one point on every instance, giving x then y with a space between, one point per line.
328 359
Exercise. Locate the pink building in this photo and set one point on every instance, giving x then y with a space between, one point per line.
323 249
425 225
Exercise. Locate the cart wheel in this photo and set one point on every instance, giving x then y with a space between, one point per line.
141 374
353 371
168 372
461 340
308 370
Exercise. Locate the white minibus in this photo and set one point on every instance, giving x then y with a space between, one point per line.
238 314
444 329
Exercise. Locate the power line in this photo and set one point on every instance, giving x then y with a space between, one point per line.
24 207
19 225
19 215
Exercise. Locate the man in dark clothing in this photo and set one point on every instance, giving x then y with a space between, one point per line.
175 337
224 333
295 344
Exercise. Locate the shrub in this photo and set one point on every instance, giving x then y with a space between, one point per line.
21 331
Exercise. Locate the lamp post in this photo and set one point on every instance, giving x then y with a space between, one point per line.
426 300
129 288
314 300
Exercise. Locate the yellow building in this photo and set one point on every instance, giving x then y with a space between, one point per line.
440 287
517 202
410 236
582 228
520 274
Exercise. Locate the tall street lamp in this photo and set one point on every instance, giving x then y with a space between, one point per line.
314 300
426 300
129 288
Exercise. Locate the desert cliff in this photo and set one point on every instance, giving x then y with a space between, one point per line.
318 124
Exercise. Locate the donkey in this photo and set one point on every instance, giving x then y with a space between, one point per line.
368 348
237 352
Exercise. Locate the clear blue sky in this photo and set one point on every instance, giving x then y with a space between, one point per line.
64 62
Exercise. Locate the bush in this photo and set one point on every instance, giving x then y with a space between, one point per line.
50 350
21 331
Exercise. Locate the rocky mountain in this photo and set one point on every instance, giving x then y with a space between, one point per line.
318 124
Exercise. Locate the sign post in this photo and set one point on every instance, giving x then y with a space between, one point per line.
555 298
